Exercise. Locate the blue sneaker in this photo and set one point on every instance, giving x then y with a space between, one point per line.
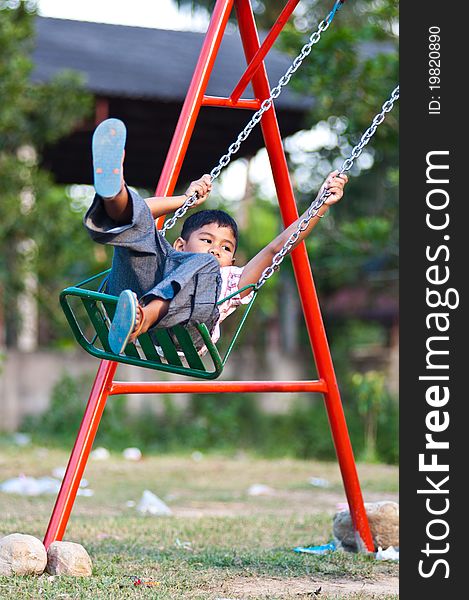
108 149
123 326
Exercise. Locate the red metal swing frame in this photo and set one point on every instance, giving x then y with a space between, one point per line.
105 385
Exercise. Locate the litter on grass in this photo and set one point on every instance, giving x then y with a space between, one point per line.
150 504
259 489
21 439
100 454
390 553
37 486
185 545
59 473
323 549
319 482
132 454
146 583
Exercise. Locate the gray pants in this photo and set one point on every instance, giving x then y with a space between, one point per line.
148 265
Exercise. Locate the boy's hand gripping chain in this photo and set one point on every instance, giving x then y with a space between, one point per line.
318 202
265 106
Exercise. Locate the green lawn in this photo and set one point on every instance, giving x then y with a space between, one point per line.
220 542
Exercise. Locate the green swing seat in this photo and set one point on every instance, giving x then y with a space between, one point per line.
91 328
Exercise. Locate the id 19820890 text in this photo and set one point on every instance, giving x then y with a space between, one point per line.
434 70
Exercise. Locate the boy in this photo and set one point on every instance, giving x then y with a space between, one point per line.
159 285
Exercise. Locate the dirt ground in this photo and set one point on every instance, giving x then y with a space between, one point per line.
243 587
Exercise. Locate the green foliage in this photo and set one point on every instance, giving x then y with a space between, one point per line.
387 439
65 255
61 421
349 74
31 116
225 420
370 398
226 423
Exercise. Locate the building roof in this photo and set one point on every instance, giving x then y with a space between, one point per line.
144 74
144 63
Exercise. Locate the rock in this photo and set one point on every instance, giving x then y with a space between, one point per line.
68 558
22 555
384 524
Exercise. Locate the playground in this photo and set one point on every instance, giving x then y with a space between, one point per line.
220 541
232 525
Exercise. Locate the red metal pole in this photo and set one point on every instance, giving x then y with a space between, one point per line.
81 450
263 50
215 387
304 278
193 101
252 104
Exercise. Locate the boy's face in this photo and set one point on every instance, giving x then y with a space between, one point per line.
210 239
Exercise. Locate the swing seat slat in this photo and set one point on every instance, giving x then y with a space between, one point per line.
97 319
148 348
168 350
190 351
110 309
167 345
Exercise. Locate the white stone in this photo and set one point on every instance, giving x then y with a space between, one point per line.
22 554
384 524
68 558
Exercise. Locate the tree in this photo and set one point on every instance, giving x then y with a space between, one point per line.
31 115
349 74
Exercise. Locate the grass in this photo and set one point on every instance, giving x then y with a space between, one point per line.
220 541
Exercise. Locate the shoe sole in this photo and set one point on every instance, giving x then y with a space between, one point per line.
123 322
108 148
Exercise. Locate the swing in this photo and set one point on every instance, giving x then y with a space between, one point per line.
171 350
174 350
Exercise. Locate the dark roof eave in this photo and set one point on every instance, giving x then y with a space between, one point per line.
160 71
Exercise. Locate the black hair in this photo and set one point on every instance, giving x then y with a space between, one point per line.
206 217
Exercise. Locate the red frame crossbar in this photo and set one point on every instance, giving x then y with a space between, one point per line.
105 385
259 56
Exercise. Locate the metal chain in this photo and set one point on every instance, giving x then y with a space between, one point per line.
319 201
257 116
